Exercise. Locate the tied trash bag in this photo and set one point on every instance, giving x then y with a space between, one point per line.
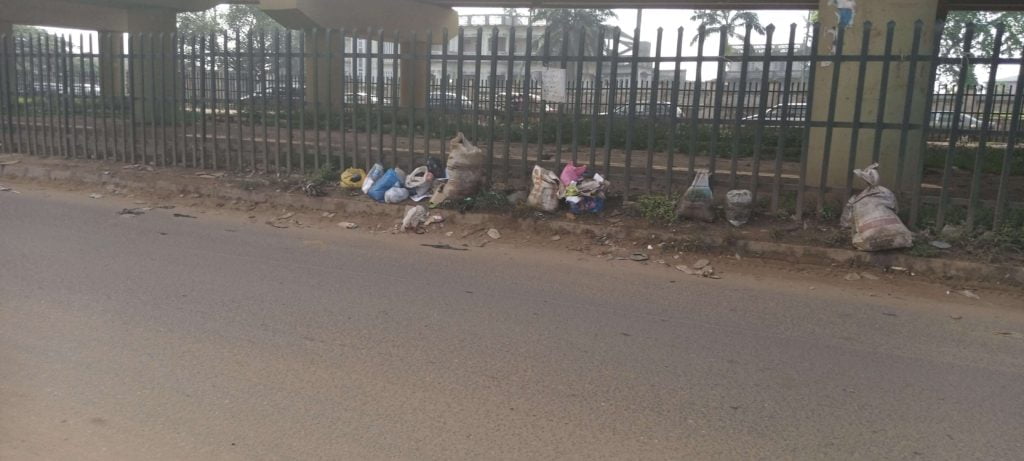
352 178
435 167
419 181
737 206
396 194
546 191
572 173
872 214
381 186
374 174
696 201
587 205
465 173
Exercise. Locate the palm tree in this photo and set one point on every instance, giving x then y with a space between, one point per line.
725 21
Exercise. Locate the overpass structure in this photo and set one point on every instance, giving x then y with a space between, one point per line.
435 16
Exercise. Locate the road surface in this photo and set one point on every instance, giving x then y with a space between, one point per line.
162 337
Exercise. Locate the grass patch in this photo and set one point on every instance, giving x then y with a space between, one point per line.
659 209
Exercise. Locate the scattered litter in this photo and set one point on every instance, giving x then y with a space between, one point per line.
956 317
869 276
352 178
494 234
968 294
1010 334
701 263
133 211
277 224
435 219
639 257
313 189
396 194
556 238
940 244
7 189
348 225
443 246
166 207
696 201
449 234
872 215
898 268
95 195
415 216
328 214
180 215
285 216
852 277
686 270
889 314
737 206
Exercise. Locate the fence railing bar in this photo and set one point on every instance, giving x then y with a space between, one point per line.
883 94
1009 152
781 141
954 130
719 94
527 90
762 107
652 113
812 74
986 120
858 106
831 117
673 117
612 99
738 107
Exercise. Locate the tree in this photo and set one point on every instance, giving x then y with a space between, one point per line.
565 27
725 21
952 41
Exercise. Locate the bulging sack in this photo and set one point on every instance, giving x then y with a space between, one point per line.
546 191
396 194
352 178
465 171
872 214
737 206
419 181
697 200
381 186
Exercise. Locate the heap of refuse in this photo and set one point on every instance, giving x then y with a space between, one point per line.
582 190
463 177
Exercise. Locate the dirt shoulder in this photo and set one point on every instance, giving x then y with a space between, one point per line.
768 247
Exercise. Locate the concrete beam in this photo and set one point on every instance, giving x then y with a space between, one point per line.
904 13
364 18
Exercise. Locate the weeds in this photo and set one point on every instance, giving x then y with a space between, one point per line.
658 209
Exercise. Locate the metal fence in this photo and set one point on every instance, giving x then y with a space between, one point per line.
289 102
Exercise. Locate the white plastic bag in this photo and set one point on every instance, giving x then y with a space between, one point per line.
396 194
415 216
546 191
697 200
737 206
872 214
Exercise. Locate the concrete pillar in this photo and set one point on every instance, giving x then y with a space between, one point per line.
879 13
111 71
150 42
413 74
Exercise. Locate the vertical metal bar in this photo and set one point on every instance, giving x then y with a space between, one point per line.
380 93
631 114
444 89
739 106
28 64
598 83
915 207
830 126
131 88
695 105
49 121
70 105
459 63
813 59
276 65
237 100
784 126
492 97
316 98
117 99
394 98
563 64
264 88
214 99
546 53
527 92
915 50
509 72
652 112
719 94
39 96
151 78
203 98
195 114
411 107
343 162
954 130
476 82
762 106
670 151
6 118
329 99
986 127
858 107
161 102
177 60
291 96
883 93
578 94
613 84
251 93
14 93
1008 154
367 89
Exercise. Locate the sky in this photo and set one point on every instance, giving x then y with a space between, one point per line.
670 20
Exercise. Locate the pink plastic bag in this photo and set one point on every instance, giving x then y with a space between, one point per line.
572 173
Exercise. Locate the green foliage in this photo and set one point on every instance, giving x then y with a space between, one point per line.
953 35
725 21
658 209
324 175
964 157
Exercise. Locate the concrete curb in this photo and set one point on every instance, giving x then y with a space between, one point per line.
965 271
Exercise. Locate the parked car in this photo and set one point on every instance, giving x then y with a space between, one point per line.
519 100
274 95
451 101
944 120
796 112
360 98
643 110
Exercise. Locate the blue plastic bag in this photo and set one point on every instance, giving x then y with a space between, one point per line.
381 185
587 205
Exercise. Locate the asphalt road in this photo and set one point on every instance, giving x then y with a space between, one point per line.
155 337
